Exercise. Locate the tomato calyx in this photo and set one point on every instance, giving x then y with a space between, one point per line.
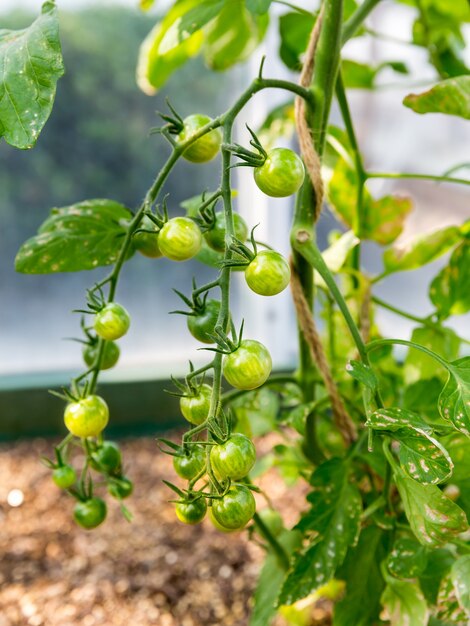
249 158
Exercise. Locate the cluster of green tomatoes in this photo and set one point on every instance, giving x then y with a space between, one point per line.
226 458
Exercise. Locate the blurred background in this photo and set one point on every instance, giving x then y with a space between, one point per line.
97 145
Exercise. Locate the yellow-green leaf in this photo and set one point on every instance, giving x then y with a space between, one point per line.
451 96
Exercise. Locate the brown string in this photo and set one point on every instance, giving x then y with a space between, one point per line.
343 421
312 162
307 148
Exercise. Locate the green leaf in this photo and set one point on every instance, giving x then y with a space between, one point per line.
294 31
382 219
280 122
422 396
364 583
334 516
460 576
233 35
450 289
270 581
408 559
451 96
439 564
30 66
404 603
420 366
362 373
433 517
420 250
421 456
258 7
458 446
362 76
258 411
454 401
79 237
336 254
166 47
449 607
145 5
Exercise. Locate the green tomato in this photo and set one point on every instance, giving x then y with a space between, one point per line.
112 322
147 242
64 476
191 512
282 174
216 524
215 237
190 465
180 239
234 458
201 325
110 357
273 520
235 509
196 408
249 366
120 488
91 513
88 417
268 274
107 457
206 147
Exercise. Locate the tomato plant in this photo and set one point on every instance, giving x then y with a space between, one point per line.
378 436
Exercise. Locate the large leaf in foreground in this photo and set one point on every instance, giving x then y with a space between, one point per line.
433 517
30 66
404 603
74 238
451 96
334 517
454 401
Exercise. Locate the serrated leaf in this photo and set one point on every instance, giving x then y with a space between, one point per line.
335 514
383 218
460 576
404 603
82 236
450 289
258 7
408 558
418 365
420 250
30 66
454 401
434 518
166 47
364 583
451 96
233 35
270 580
362 373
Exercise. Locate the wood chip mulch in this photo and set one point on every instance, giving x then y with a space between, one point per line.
154 570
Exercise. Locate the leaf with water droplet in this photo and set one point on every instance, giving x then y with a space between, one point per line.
334 517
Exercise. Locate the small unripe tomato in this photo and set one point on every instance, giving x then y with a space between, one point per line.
91 513
180 239
190 465
234 458
110 356
107 458
249 366
112 322
87 417
120 488
201 325
268 273
215 237
235 509
216 524
64 476
196 408
191 512
273 520
206 147
147 242
282 174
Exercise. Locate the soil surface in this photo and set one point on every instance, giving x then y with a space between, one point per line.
154 570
